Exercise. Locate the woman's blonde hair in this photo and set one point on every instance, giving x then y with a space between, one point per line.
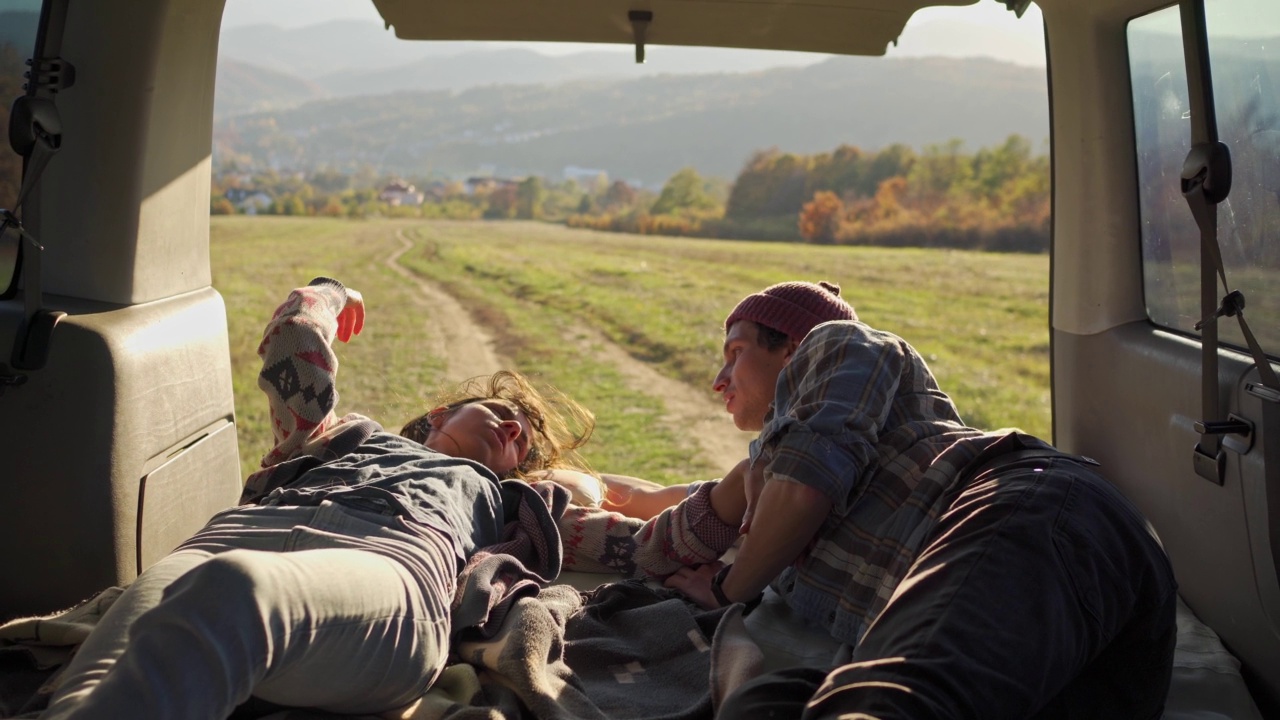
560 425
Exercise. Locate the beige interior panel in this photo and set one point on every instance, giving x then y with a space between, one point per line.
1097 275
857 27
167 494
139 118
122 385
1135 399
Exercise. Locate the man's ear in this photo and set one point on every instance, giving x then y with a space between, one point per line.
438 416
791 350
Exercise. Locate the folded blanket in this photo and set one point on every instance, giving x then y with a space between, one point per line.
645 652
624 650
34 649
520 650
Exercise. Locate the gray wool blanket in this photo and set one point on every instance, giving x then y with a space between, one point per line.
519 651
624 650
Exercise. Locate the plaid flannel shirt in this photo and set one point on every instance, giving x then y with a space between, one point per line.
858 416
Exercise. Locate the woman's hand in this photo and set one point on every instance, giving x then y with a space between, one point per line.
695 583
638 498
351 319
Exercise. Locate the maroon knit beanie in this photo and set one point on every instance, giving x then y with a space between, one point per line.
793 307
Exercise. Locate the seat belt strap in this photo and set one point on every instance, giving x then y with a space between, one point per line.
1233 302
1206 217
35 133
1206 181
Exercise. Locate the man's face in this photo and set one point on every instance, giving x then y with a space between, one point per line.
749 375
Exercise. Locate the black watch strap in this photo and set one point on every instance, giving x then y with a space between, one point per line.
718 592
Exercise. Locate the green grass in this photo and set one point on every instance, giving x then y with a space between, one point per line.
257 261
980 319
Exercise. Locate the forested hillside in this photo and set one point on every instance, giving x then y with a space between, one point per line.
242 88
645 130
16 35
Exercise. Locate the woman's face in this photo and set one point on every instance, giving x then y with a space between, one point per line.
494 433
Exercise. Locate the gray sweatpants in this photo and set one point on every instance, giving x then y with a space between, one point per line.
324 607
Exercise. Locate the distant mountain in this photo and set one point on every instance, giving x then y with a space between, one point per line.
510 66
350 57
646 129
358 57
243 88
963 38
323 48
481 64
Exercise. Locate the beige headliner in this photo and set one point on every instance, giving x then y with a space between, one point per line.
854 27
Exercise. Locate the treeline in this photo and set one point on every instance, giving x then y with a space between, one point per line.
336 194
992 199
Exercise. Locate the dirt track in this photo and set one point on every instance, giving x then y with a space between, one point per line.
468 348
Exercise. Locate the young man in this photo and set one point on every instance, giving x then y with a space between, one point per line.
974 574
754 355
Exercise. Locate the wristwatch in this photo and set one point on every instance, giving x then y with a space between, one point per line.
718 592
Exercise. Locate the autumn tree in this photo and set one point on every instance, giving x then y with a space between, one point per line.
939 170
685 191
530 194
620 195
888 199
751 186
221 206
502 203
564 198
331 208
772 184
288 204
1025 197
840 171
820 218
893 161
330 181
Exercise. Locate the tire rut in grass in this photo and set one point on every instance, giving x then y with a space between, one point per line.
469 350
467 347
688 412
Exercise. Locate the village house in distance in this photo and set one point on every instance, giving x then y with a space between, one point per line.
398 192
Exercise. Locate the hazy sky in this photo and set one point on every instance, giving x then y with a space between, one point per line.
933 31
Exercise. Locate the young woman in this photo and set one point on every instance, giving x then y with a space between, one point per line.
330 586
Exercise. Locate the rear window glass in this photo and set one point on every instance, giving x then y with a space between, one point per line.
18 22
1244 50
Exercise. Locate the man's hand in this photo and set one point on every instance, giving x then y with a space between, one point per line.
351 319
790 515
695 583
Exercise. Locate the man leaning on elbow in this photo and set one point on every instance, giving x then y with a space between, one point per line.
973 574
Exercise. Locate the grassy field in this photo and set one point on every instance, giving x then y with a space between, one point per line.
980 319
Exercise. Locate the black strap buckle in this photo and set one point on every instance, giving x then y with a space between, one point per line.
1208 170
1232 305
1210 467
1231 426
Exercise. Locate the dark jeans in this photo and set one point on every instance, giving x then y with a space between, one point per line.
1041 593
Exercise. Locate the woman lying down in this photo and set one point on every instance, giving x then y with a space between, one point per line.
330 585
